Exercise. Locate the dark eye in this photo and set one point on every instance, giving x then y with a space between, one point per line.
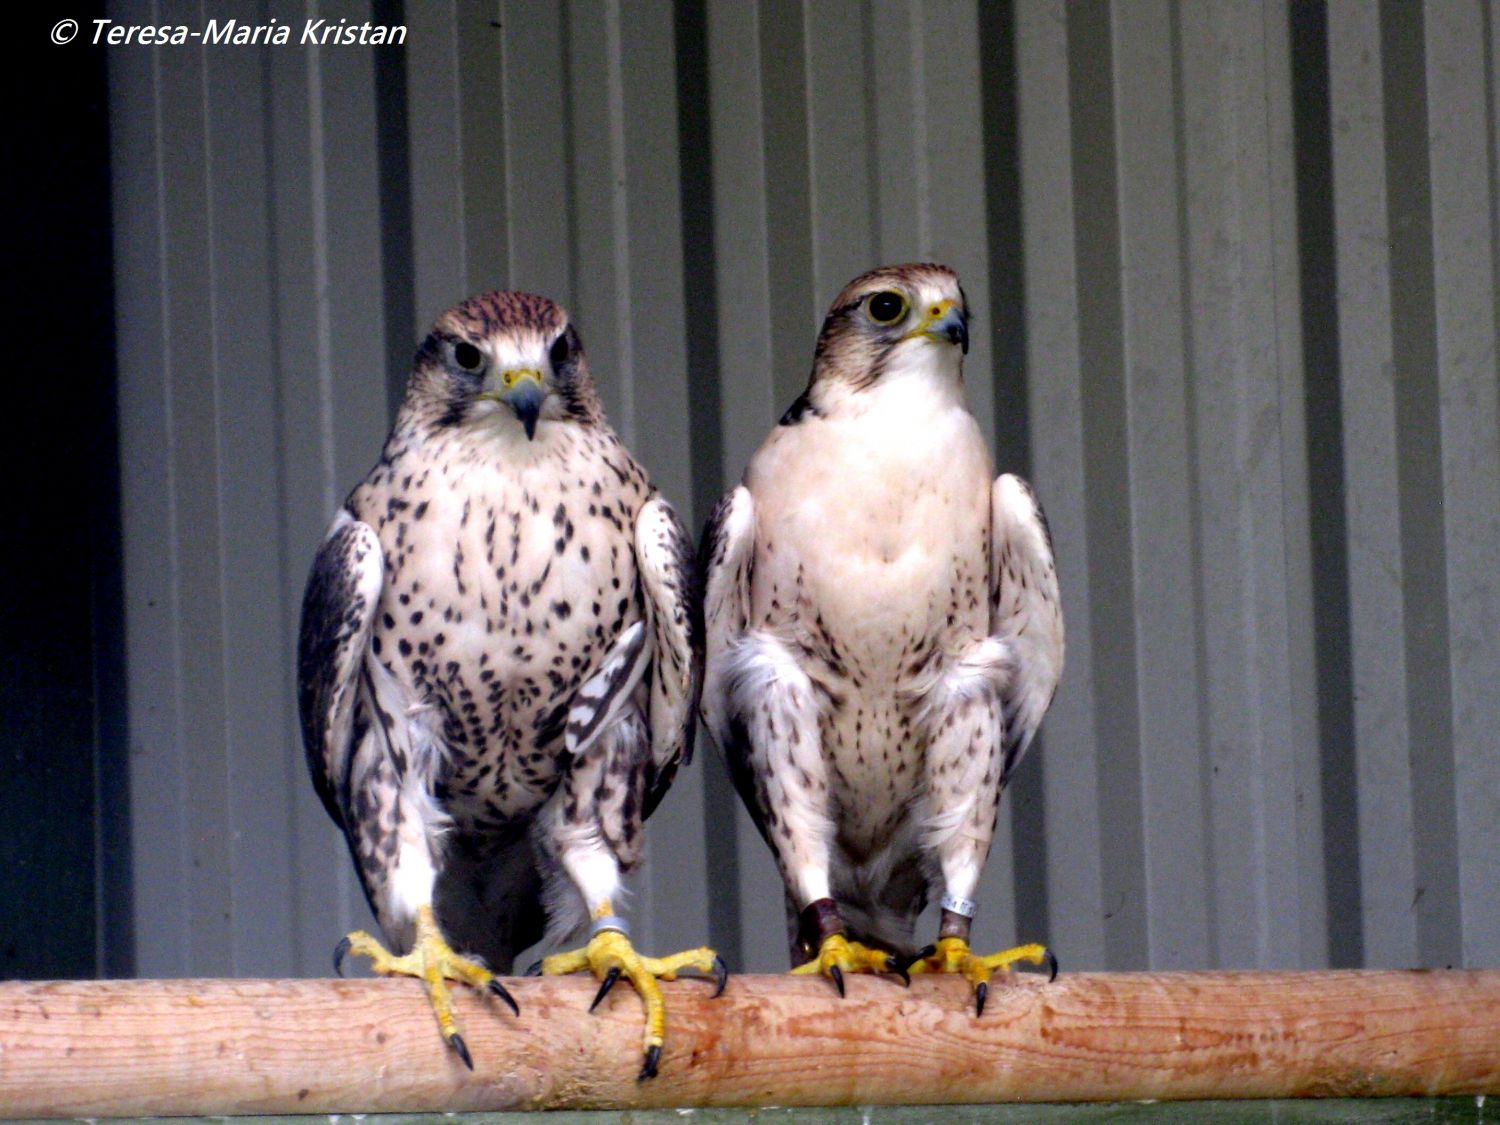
887 307
560 351
467 356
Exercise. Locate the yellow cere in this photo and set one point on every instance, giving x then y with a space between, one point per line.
515 374
930 316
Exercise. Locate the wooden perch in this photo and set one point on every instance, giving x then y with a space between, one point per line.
99 1048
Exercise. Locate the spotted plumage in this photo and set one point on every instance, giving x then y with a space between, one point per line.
500 657
883 629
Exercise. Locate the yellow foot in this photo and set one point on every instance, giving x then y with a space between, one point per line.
952 955
838 955
432 962
609 956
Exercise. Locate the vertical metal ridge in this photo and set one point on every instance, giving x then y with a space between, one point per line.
318 184
507 137
1318 267
1377 606
869 95
1161 533
1106 472
288 564
1238 335
1306 882
481 72
620 209
999 116
787 194
156 871
1194 473
701 312
573 256
1071 778
183 962
1419 478
461 198
216 425
1489 15
750 397
255 681
398 268
114 913
1006 234
842 149
916 9
193 438
1465 225
701 295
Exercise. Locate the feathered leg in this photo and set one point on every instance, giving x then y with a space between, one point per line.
592 825
774 702
395 849
965 760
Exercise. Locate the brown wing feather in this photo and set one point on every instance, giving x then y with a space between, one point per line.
725 556
664 558
1025 610
338 610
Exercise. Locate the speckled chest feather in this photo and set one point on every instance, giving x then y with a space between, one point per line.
508 574
872 561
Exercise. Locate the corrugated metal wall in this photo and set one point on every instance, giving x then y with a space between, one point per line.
1235 268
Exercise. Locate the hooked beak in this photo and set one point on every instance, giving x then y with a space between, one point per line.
945 322
523 390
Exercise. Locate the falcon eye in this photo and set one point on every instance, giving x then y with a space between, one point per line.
467 356
560 351
887 307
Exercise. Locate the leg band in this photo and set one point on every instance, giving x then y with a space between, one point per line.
953 925
819 919
609 922
965 906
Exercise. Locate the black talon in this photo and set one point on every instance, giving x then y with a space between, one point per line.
721 973
838 977
499 990
1052 966
981 990
535 970
604 986
458 1044
893 965
920 955
653 1056
340 951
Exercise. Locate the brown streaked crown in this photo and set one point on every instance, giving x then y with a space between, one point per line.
439 389
503 311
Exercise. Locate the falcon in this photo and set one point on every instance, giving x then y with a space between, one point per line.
883 637
498 667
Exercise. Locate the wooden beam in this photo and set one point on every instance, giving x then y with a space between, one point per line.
203 1047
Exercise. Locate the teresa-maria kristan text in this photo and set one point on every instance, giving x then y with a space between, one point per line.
233 32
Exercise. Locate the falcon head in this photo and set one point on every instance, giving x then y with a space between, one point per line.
891 320
511 359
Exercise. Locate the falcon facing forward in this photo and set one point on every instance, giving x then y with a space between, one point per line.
883 636
499 664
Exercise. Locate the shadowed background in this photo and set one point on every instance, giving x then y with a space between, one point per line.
1235 268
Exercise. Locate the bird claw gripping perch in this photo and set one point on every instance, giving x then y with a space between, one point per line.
433 962
831 953
610 956
952 955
